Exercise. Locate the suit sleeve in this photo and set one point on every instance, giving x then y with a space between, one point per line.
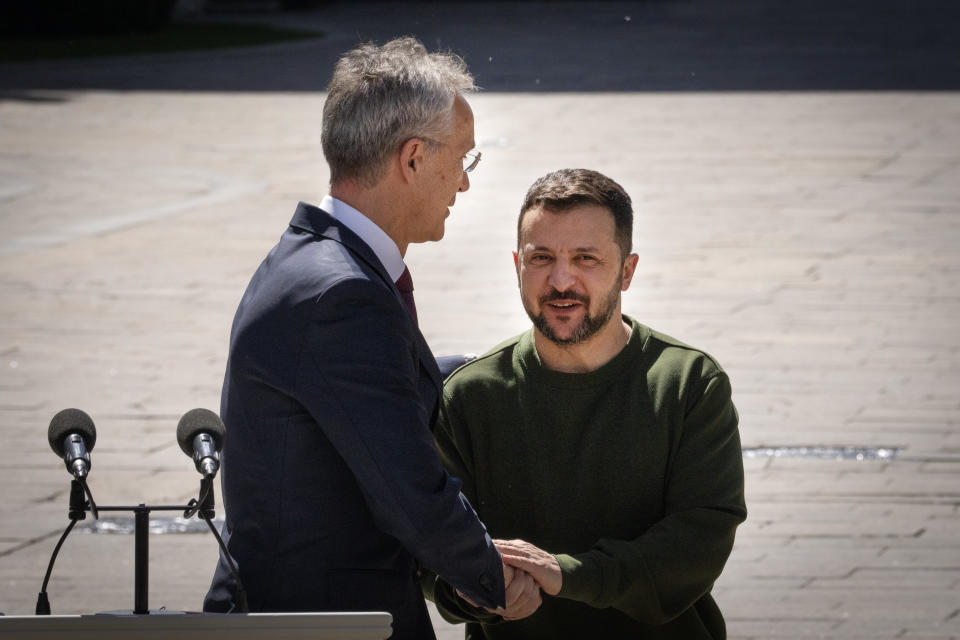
658 575
358 378
452 607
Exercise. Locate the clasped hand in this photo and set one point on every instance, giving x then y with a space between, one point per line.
526 570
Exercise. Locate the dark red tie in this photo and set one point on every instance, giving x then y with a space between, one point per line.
405 285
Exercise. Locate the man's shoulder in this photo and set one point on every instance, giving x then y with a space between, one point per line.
323 242
313 258
493 368
675 357
314 264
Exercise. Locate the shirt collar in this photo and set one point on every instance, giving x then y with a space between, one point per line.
376 238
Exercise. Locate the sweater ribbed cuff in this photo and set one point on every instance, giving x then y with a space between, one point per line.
581 580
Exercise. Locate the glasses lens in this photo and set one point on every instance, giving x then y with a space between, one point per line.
471 161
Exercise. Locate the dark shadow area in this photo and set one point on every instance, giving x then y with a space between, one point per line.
30 96
174 38
68 17
652 45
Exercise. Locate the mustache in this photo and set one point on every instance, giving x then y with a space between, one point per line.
560 296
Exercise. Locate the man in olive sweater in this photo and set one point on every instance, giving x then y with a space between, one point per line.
604 455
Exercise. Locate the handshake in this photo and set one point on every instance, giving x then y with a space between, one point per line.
527 570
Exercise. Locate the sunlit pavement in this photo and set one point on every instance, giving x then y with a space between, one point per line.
805 236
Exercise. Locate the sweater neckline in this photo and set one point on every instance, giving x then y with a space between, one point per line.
534 369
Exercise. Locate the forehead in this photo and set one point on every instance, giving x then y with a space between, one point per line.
463 122
586 225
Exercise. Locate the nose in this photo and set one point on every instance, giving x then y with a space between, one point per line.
560 278
464 182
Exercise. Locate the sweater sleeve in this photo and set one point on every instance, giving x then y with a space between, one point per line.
658 575
452 607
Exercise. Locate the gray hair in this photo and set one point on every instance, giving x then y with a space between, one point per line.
380 97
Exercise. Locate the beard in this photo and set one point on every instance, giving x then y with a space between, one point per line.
589 326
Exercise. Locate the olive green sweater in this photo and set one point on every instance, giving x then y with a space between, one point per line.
631 475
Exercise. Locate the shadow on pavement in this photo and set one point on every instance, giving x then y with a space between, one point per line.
652 45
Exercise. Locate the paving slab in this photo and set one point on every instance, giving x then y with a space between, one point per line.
131 324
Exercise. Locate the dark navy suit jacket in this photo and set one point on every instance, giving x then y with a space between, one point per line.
334 493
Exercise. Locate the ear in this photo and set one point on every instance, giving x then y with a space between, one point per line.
516 265
411 158
629 268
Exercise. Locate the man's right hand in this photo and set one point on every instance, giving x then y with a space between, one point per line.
523 597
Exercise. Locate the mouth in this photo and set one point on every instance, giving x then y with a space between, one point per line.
563 304
563 307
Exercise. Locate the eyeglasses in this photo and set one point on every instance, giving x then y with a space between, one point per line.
470 161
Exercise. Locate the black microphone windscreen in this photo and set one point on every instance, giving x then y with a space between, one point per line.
71 421
195 421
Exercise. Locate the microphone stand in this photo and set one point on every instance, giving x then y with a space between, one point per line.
204 508
141 550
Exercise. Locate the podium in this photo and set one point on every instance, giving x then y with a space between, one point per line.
201 626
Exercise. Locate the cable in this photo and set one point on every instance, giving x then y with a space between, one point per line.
43 604
93 505
241 594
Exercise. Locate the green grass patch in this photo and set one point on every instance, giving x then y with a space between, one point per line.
185 36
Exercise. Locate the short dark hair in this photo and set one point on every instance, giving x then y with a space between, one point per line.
567 188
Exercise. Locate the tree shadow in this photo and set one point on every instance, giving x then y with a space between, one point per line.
652 45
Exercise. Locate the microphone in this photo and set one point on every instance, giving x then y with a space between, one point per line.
201 434
72 436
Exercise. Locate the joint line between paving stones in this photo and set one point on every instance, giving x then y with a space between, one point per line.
30 543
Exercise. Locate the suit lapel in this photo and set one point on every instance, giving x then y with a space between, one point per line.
320 223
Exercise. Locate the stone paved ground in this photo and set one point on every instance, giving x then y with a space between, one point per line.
808 240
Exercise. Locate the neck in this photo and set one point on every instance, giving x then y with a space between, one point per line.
586 356
379 203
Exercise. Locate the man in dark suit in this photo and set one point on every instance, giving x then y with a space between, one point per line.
335 496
